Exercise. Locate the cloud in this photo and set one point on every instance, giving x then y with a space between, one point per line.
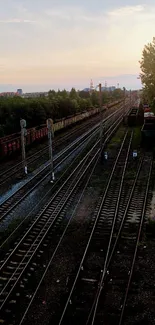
74 13
71 43
16 21
126 11
58 14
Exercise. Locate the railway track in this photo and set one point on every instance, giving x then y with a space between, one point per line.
19 264
42 155
55 186
10 203
17 197
101 285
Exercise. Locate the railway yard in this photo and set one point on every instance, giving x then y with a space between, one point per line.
80 250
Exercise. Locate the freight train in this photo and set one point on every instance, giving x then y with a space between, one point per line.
136 115
148 128
12 143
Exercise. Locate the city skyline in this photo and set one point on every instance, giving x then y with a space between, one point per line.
46 45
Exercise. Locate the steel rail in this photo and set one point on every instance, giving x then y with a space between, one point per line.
103 278
31 158
50 222
51 259
65 182
58 141
8 206
109 133
137 242
73 144
17 281
93 230
94 305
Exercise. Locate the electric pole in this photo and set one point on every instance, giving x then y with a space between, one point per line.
23 134
130 98
101 123
124 101
50 136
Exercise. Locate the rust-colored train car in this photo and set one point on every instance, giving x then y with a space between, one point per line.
12 143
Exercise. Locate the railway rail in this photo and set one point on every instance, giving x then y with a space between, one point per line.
42 155
21 260
99 291
10 203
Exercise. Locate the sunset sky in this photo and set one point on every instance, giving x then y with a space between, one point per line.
49 44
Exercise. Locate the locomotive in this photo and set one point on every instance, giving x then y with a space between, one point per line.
12 143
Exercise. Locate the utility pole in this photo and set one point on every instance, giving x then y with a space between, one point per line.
101 122
23 134
124 101
130 98
50 136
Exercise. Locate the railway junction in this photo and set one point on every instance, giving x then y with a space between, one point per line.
78 250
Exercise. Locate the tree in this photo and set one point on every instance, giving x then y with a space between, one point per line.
147 65
56 105
118 93
95 98
73 94
51 93
84 94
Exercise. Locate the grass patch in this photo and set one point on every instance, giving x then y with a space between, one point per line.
137 137
131 174
117 138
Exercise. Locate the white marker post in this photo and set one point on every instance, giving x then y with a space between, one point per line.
23 134
50 136
135 154
105 155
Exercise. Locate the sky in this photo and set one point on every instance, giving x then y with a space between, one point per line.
51 44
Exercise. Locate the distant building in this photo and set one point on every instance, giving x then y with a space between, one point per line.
35 95
86 89
8 94
19 92
112 88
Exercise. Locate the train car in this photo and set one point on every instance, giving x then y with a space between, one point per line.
148 134
150 118
132 117
12 143
136 116
145 106
147 109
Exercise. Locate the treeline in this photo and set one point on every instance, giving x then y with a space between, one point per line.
56 106
147 75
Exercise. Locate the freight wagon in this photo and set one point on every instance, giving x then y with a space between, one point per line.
148 134
12 143
149 117
132 117
135 117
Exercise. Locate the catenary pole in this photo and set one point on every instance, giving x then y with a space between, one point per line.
23 134
50 136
